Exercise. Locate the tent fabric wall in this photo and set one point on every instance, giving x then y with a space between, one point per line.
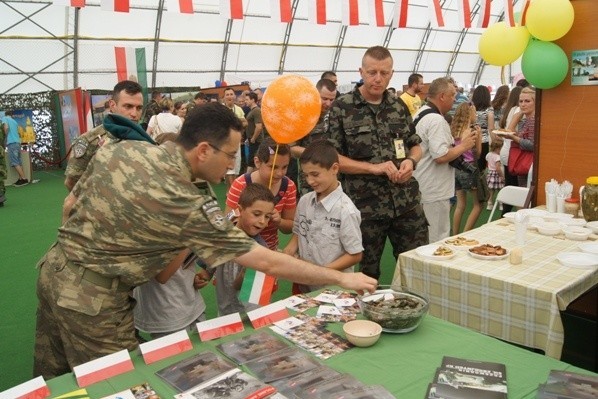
44 44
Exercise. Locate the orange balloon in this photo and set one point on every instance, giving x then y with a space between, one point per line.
291 108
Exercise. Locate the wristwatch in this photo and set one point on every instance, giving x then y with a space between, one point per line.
412 161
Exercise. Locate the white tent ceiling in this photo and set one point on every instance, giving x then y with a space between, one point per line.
49 47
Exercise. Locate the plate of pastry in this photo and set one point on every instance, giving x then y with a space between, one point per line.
489 252
434 251
461 243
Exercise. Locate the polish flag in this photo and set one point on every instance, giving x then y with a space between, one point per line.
220 327
169 345
69 3
509 14
435 10
32 389
317 12
464 14
115 5
400 14
103 368
180 6
376 8
231 9
350 13
130 62
281 10
524 8
257 287
484 18
268 314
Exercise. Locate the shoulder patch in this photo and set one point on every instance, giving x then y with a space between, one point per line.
79 148
215 216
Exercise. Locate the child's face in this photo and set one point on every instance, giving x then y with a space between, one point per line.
253 219
280 167
323 181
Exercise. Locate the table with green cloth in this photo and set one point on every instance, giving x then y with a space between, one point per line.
403 363
516 303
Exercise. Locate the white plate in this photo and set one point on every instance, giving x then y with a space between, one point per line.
572 222
593 226
534 212
579 260
510 217
461 247
484 257
557 217
589 247
427 251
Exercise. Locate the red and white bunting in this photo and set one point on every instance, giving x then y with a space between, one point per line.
436 18
281 10
524 8
399 14
180 6
464 14
32 389
268 314
115 5
350 13
509 14
103 368
376 9
316 12
169 345
69 3
220 327
231 9
484 15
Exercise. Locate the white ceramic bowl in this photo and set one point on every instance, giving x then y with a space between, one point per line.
557 217
593 226
362 333
509 217
572 222
548 228
589 247
577 233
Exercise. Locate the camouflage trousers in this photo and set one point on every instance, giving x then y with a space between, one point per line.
405 232
77 321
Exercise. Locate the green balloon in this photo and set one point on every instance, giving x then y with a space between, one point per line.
544 64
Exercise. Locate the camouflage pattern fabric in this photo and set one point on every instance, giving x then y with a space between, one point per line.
365 132
153 108
83 149
136 209
320 131
3 171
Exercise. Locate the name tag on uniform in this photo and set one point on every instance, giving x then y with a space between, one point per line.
399 148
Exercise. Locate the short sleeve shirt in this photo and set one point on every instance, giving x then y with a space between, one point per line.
414 103
253 117
365 133
137 208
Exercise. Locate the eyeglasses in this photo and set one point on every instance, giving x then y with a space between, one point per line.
231 155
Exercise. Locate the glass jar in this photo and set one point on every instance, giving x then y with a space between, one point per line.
589 199
572 206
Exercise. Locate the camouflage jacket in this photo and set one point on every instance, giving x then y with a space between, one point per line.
83 149
366 133
320 131
137 208
153 108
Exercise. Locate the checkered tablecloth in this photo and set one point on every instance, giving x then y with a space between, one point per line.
516 303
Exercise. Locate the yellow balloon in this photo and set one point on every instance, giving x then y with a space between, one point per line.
502 44
549 20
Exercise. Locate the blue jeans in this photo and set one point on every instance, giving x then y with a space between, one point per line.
14 154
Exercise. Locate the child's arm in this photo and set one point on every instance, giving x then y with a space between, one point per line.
499 170
345 261
172 267
293 245
287 218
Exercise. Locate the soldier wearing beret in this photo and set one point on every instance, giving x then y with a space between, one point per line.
372 132
135 209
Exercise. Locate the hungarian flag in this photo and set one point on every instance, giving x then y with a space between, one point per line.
464 14
180 6
115 5
436 18
257 287
131 65
231 9
317 12
350 16
376 8
268 314
69 3
32 389
103 368
281 10
399 19
220 327
484 18
169 345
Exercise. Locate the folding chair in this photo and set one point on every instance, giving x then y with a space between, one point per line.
511 195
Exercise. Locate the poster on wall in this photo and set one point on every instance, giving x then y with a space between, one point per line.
24 118
72 115
584 68
100 107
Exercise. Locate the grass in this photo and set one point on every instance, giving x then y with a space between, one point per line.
29 222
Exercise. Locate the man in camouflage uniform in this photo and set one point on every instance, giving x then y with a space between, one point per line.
127 101
372 131
136 208
3 171
327 90
153 108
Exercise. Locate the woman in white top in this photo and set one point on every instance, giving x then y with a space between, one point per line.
164 122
